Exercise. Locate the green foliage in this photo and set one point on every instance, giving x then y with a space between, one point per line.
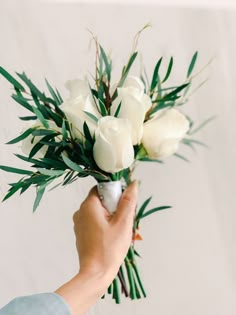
192 64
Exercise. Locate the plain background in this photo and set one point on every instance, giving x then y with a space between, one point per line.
189 257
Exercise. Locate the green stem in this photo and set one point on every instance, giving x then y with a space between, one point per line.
131 279
116 293
131 255
109 290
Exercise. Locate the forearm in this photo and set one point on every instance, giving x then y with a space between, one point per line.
83 290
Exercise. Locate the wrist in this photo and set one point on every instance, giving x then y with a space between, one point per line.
85 288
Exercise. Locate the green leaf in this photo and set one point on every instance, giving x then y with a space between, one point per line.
43 132
147 159
72 165
117 110
192 64
136 253
93 117
155 77
10 78
35 149
22 101
12 191
107 64
26 118
68 178
21 137
154 210
25 187
15 170
64 132
174 92
162 105
40 117
39 194
142 208
59 97
53 93
190 141
102 108
168 70
181 157
87 133
48 172
54 163
203 124
127 68
33 161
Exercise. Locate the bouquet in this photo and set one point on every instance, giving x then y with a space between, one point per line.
102 129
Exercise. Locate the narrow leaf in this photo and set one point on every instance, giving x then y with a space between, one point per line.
21 137
127 68
117 110
11 192
93 117
72 165
15 170
154 210
10 78
43 132
39 195
142 208
192 64
47 172
168 70
40 117
107 64
26 118
53 93
203 124
181 157
156 75
21 100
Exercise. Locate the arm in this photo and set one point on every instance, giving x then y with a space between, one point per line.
102 242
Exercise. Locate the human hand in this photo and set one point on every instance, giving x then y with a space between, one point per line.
103 239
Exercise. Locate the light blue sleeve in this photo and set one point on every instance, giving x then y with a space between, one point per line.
37 304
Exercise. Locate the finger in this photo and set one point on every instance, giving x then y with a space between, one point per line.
127 204
92 205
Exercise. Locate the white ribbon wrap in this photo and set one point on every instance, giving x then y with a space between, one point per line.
110 193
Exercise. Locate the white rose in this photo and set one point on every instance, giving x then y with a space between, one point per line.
28 143
80 100
162 134
113 149
134 105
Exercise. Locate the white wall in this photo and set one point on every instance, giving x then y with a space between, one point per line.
189 256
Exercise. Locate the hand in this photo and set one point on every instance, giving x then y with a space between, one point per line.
102 242
103 239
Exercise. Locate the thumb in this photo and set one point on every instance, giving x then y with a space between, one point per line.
126 208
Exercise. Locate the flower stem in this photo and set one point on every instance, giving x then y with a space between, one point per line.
109 290
135 268
131 279
116 293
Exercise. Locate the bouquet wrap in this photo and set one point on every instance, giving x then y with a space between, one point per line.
110 193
